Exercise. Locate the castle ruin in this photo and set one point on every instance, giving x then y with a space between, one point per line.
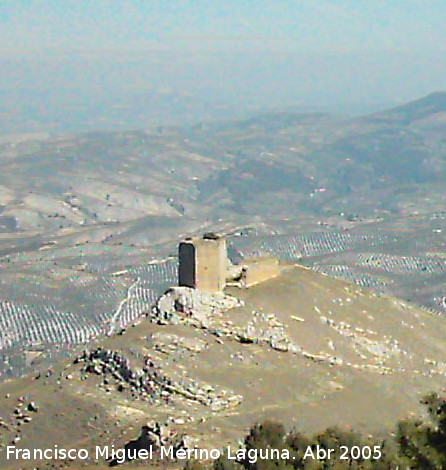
204 265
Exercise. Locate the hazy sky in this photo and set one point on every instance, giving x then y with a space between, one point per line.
262 52
296 25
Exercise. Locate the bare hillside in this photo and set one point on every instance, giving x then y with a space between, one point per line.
304 348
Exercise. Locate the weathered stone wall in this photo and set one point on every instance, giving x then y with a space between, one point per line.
259 270
203 264
211 265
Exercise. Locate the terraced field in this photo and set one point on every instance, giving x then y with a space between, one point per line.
404 260
293 247
43 305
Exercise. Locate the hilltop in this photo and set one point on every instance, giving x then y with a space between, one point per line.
303 348
433 104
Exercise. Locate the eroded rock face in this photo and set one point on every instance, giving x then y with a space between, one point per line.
183 304
200 309
206 311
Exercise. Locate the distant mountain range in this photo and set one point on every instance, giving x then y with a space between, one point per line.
271 167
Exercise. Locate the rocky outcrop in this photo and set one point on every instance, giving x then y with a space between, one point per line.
191 306
150 383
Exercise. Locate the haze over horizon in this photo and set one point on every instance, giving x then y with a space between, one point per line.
69 66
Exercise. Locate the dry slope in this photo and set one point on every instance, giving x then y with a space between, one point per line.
303 348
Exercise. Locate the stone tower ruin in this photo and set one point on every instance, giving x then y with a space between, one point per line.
203 263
